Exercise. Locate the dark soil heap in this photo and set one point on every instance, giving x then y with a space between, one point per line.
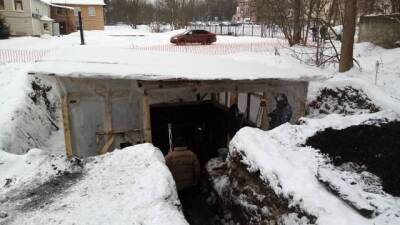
249 199
347 101
375 146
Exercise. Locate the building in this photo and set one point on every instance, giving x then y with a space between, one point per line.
92 12
120 97
27 17
245 12
64 17
382 30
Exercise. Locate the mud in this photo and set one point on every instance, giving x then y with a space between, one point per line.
375 147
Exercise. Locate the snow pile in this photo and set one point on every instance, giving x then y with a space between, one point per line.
29 110
358 188
22 172
130 186
291 169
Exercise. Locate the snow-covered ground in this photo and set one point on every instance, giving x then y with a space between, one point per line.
134 183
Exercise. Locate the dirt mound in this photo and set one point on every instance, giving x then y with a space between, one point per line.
347 101
375 147
247 199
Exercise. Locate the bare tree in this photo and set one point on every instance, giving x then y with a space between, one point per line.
349 28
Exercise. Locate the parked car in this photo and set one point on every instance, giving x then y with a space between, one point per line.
225 23
212 23
194 36
199 23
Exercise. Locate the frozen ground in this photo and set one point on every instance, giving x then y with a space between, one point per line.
22 127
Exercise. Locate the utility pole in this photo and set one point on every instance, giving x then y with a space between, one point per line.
81 28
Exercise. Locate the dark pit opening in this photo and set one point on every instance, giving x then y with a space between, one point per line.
204 125
376 147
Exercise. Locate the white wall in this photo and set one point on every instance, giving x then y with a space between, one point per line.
22 22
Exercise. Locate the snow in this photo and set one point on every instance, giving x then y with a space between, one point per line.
122 183
25 124
291 169
129 186
87 61
29 170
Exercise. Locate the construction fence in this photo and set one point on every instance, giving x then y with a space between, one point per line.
22 55
255 30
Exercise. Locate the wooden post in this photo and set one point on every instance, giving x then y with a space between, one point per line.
108 127
226 98
264 119
67 127
248 105
146 119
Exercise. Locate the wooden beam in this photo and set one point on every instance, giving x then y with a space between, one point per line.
146 119
67 127
107 145
264 119
108 124
248 105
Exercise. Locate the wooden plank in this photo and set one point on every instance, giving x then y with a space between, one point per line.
108 144
264 119
67 127
108 127
248 105
146 119
226 99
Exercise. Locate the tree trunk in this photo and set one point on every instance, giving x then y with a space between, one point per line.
395 6
297 24
349 28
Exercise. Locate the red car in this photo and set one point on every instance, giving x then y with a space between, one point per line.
194 36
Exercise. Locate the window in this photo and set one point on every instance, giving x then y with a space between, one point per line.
92 11
1 4
76 10
46 27
60 11
18 5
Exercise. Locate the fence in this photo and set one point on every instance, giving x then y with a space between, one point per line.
216 49
21 55
242 30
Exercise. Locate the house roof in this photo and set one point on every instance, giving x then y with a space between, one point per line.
76 2
115 63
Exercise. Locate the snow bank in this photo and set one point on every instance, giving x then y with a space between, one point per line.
26 123
23 172
129 186
291 169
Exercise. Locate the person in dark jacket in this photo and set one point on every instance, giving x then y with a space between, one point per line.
234 120
282 113
324 33
314 31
